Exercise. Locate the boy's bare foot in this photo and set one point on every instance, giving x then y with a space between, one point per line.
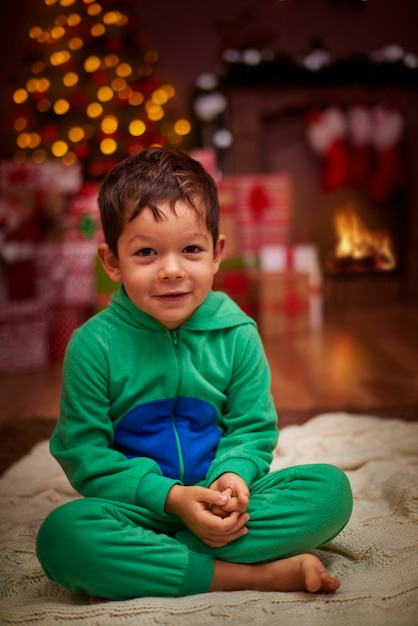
303 572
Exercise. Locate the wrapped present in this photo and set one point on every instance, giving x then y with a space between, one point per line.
283 303
65 272
49 175
82 220
238 281
23 336
228 224
263 211
300 258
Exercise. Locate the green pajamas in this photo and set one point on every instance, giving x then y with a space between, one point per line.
121 551
144 408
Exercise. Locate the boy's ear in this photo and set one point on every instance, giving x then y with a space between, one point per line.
109 262
218 252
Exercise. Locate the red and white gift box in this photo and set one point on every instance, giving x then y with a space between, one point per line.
255 212
292 261
65 272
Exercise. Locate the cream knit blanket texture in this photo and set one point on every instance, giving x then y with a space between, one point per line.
376 556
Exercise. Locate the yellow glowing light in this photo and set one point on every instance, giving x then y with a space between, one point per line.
70 79
75 134
137 128
92 64
182 127
94 9
43 105
35 32
60 20
155 113
34 140
111 60
174 139
125 93
39 156
159 96
112 17
59 148
20 95
74 19
67 3
104 94
151 56
124 70
61 106
43 84
94 109
118 84
23 140
108 146
31 85
169 89
57 32
135 98
38 67
69 159
59 57
109 124
97 30
75 43
20 124
49 3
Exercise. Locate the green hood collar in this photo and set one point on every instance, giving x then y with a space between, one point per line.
218 311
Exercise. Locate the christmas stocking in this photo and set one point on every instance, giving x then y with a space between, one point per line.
389 172
326 131
359 128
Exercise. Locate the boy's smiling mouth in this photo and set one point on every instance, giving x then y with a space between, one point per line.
172 295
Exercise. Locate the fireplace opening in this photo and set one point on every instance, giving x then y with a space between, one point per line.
357 247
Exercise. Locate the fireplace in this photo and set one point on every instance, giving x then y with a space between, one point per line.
269 129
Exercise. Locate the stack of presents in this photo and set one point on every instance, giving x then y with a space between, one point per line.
51 282
276 283
48 232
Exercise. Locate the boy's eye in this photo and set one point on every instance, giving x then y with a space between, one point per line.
146 252
192 249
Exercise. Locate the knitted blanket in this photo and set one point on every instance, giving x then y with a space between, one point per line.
376 556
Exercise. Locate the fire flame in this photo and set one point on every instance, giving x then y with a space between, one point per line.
356 242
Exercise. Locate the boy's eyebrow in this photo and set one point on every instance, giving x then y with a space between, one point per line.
147 239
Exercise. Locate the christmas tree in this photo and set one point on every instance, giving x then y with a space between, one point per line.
90 93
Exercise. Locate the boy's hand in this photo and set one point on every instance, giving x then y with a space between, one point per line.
237 491
194 506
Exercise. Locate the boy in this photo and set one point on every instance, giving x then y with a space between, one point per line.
167 425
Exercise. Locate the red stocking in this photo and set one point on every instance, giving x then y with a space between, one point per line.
389 173
326 134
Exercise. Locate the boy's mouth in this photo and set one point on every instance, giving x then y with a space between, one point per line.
172 296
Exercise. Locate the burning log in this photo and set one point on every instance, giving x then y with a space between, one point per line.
359 249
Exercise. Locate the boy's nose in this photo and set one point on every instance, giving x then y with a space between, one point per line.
171 269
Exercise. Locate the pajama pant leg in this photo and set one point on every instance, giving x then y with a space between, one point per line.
292 511
117 551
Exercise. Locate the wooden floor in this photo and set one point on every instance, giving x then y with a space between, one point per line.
364 362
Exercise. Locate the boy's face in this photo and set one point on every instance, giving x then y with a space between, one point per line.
166 267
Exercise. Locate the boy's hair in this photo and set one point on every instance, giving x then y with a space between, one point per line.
152 176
